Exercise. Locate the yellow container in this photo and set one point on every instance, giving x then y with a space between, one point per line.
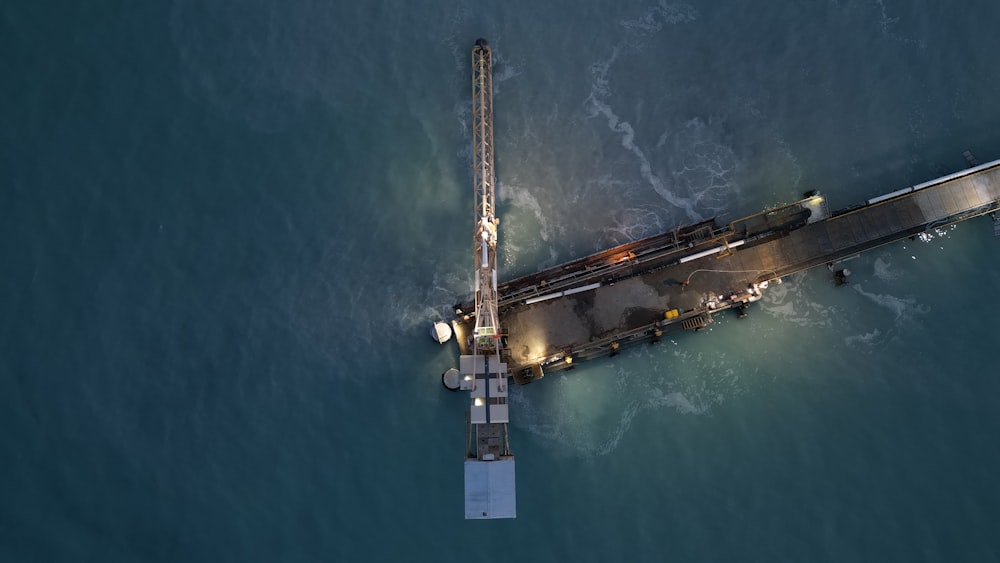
671 314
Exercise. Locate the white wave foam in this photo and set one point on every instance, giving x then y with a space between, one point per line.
791 169
915 122
887 23
590 414
868 339
462 111
525 200
576 430
659 15
597 106
788 302
700 167
883 268
413 311
552 260
459 52
502 72
540 229
634 223
903 310
703 167
624 129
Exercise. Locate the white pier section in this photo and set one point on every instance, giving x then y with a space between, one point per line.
489 489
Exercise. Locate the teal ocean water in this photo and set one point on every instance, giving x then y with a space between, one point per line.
226 227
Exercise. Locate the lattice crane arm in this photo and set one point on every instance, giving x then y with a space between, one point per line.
487 319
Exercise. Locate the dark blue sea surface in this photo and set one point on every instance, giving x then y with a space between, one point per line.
226 229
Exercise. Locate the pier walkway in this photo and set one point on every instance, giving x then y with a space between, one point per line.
675 281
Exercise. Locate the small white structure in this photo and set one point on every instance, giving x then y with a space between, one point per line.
441 332
817 207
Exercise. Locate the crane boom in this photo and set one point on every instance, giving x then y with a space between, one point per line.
486 331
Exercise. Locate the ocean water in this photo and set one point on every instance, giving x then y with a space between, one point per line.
226 228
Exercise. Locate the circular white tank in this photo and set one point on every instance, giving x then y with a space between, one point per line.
450 379
441 332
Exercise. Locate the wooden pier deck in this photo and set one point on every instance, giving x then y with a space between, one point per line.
675 281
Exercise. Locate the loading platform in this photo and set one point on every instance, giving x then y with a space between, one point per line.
675 281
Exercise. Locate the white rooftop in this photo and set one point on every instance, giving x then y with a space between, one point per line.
489 489
488 394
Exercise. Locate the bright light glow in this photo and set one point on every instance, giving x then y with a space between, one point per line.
569 359
478 401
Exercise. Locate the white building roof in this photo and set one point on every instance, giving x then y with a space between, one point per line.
489 489
488 395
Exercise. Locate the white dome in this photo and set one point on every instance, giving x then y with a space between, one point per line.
441 332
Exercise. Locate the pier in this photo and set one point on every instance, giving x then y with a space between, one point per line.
676 281
489 463
640 291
